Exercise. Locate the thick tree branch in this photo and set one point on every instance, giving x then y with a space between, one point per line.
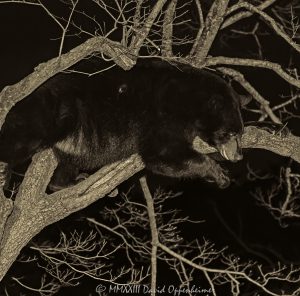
167 35
27 217
97 185
6 208
212 25
256 138
36 179
201 27
33 210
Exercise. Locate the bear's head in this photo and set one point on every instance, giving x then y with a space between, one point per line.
219 123
218 119
210 109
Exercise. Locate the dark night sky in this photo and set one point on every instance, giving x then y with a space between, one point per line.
25 41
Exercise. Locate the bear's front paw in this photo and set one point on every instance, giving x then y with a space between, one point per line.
217 174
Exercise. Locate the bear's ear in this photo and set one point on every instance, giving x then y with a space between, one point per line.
245 100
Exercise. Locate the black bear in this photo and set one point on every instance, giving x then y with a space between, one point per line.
154 109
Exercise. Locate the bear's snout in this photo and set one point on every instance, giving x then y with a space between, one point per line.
231 149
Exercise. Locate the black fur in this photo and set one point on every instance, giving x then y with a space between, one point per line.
156 110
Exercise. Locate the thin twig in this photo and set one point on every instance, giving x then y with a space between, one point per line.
154 233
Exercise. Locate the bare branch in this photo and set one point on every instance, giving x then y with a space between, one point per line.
273 24
143 32
234 275
137 14
282 206
98 185
201 27
45 289
212 61
244 14
213 22
66 27
168 30
154 233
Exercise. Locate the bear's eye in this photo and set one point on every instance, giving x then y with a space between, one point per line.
123 88
222 135
232 134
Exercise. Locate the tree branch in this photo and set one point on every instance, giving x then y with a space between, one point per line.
256 138
213 61
168 30
272 23
154 233
28 218
212 25
201 27
142 33
244 14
